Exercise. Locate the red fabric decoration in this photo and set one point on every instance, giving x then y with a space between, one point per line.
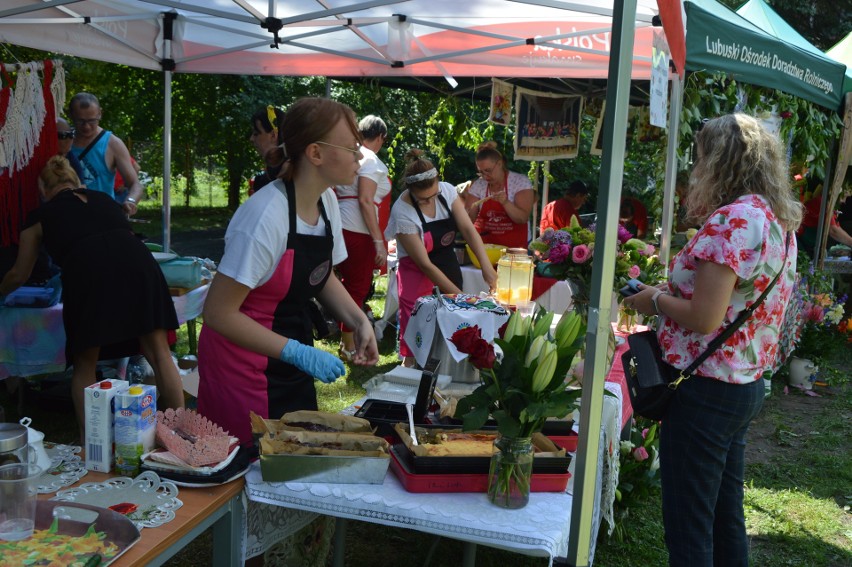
541 284
19 192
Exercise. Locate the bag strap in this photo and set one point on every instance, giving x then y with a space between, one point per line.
91 145
736 324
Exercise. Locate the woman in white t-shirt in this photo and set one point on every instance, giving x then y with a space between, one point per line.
255 352
359 203
424 221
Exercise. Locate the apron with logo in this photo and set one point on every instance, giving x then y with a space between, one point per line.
237 380
438 238
495 225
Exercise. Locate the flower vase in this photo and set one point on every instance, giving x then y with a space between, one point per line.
510 472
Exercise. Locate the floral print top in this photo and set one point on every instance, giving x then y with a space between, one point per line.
746 237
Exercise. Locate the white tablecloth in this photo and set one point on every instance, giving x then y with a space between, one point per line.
556 299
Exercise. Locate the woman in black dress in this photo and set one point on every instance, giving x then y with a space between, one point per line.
115 298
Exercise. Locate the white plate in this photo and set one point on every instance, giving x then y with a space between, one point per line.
163 256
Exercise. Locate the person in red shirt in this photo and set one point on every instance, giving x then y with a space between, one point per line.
807 233
634 216
557 214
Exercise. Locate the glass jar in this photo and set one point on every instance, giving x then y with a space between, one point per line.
13 444
511 472
515 277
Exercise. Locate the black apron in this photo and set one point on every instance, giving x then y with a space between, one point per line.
288 388
440 240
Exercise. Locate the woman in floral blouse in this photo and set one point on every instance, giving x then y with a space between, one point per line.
740 191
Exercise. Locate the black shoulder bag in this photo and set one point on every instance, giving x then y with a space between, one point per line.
652 382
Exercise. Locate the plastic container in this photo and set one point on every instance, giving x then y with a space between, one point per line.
413 482
514 277
99 410
135 427
13 444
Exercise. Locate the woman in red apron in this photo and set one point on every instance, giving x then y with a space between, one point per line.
424 221
255 349
500 201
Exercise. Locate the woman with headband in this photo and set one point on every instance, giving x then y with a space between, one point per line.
424 221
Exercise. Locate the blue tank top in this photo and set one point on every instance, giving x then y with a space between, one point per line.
96 175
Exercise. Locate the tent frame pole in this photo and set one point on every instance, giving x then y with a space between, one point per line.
667 222
580 538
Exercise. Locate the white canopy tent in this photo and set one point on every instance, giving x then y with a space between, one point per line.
341 38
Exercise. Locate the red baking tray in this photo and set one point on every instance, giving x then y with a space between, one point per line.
465 482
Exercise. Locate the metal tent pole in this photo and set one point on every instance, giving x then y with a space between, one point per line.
603 270
667 221
168 67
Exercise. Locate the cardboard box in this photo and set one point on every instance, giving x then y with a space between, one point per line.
135 427
98 400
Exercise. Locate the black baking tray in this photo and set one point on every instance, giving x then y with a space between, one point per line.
470 465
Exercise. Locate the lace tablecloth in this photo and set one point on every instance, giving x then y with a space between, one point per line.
540 529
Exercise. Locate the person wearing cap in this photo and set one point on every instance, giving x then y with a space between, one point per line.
557 214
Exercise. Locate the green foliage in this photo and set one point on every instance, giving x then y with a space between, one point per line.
809 129
639 471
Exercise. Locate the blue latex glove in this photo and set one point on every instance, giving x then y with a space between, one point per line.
321 365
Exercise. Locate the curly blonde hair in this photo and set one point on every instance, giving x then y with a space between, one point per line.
736 156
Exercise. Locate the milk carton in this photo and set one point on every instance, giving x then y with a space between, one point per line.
135 426
99 415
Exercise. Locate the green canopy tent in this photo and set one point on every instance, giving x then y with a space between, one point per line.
842 52
763 16
721 40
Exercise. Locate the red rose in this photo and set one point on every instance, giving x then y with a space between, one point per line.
465 338
482 355
501 332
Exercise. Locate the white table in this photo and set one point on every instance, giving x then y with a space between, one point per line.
556 299
540 529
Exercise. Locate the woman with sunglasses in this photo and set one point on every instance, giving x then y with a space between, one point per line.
256 351
424 221
500 201
65 134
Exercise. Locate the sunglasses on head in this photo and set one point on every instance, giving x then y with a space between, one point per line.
67 135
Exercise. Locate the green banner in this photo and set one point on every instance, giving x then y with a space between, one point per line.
718 39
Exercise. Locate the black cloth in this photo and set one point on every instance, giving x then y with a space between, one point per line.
264 178
288 388
439 236
113 290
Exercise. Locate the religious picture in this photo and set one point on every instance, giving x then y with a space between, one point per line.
501 102
547 126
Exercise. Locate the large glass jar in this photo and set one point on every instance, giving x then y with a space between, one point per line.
514 277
